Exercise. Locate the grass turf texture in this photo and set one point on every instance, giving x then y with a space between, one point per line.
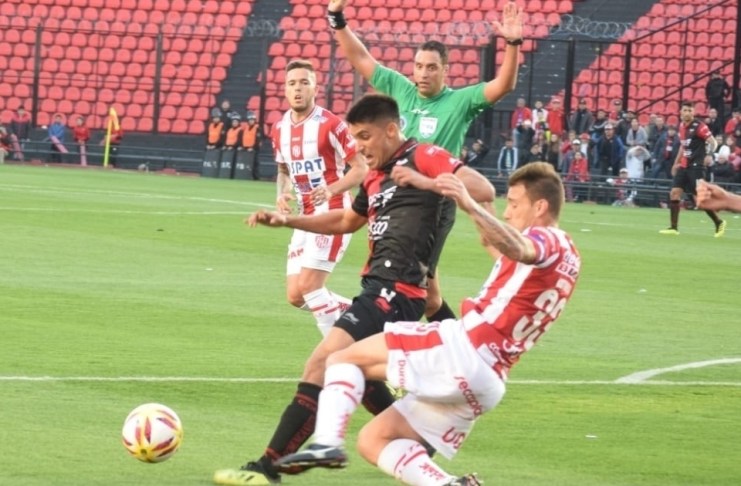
114 274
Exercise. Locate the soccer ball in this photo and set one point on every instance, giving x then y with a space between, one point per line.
152 432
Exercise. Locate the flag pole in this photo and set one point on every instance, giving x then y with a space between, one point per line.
112 123
107 141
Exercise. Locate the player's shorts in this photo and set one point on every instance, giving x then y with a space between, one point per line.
444 226
376 305
686 178
449 386
313 250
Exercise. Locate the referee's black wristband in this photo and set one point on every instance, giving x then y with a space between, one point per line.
336 20
514 42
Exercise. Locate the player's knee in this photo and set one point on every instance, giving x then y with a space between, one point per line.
295 298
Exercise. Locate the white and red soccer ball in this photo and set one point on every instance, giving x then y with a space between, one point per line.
152 432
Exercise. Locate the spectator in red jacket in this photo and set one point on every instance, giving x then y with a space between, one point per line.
734 122
81 135
578 172
556 117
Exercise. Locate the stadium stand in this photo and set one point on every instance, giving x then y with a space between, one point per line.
96 54
663 61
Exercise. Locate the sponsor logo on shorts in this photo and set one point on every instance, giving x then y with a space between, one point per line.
470 396
402 364
295 253
454 437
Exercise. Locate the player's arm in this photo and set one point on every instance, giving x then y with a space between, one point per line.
714 198
505 238
333 222
490 249
352 178
678 158
711 143
511 30
441 162
284 189
355 51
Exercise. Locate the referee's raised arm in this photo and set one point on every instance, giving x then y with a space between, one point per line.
355 51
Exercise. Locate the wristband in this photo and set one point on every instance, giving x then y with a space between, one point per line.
514 42
336 20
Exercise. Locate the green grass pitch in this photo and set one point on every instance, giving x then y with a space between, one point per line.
107 277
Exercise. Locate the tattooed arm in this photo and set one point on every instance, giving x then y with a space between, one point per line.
499 234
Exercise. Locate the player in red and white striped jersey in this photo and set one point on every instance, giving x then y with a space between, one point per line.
455 370
312 149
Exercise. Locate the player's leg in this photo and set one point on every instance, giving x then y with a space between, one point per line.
344 387
311 259
391 443
675 196
364 318
396 439
296 424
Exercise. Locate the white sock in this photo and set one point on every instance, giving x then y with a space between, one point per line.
344 385
325 308
408 461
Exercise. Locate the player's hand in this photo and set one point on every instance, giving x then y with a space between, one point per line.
267 218
320 195
710 196
406 176
283 203
675 168
337 5
511 25
451 186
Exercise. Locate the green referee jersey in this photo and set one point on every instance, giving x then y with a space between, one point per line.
443 119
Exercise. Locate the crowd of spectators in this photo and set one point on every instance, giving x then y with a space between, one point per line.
616 147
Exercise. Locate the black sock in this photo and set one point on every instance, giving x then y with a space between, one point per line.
674 213
295 427
377 397
444 312
714 217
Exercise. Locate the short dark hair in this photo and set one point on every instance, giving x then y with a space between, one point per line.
438 47
541 182
688 103
372 108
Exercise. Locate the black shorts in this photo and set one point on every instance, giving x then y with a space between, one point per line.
376 305
686 178
444 226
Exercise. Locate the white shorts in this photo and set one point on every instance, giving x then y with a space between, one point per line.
449 386
313 250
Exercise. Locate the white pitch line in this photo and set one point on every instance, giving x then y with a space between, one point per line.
206 379
123 211
642 376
